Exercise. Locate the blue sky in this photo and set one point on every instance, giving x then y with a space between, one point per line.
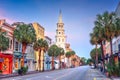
78 17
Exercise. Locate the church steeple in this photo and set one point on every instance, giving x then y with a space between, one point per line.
60 17
60 33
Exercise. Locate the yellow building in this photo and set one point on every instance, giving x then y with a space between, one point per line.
39 30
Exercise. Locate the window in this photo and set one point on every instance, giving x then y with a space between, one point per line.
16 46
10 44
59 39
62 40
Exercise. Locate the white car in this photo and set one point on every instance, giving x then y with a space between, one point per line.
92 66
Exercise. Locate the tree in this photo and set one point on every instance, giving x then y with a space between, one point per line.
25 34
4 41
83 60
54 52
61 52
41 46
107 21
94 41
74 60
69 54
93 54
89 61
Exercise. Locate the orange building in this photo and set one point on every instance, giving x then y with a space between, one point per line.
75 61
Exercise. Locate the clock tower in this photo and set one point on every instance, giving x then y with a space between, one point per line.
60 33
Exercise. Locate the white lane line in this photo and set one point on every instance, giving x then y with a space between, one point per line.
48 76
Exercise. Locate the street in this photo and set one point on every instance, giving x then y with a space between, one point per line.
79 73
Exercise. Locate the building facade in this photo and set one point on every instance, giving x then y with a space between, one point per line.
6 57
30 58
60 33
116 44
60 37
47 58
39 30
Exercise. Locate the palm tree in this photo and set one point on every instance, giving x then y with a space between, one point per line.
41 46
98 36
74 60
61 52
73 53
107 21
54 52
94 41
69 54
83 60
26 35
93 54
4 41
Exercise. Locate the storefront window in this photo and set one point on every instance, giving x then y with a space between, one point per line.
16 64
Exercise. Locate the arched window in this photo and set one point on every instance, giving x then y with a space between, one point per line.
59 32
62 40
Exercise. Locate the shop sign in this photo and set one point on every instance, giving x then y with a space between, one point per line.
1 59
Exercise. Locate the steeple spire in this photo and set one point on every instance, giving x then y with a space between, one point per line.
60 17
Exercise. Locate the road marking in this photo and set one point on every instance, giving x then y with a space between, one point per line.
62 75
48 76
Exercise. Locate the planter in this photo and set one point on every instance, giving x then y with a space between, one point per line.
107 74
0 71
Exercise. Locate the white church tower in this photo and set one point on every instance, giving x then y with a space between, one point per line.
60 33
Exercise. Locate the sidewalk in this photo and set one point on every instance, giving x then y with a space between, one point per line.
16 74
94 74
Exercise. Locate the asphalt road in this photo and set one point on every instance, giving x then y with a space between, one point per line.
78 73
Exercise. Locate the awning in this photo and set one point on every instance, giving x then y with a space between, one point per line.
18 54
6 55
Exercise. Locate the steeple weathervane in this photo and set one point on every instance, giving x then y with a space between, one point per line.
60 17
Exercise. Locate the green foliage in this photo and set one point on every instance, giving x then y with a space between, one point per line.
93 53
23 70
89 61
40 44
25 33
53 51
61 51
113 68
4 41
70 53
83 60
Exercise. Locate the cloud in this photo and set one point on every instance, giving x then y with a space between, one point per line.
3 16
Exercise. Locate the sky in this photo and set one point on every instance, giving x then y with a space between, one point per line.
78 17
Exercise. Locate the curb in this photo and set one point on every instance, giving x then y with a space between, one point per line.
31 72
